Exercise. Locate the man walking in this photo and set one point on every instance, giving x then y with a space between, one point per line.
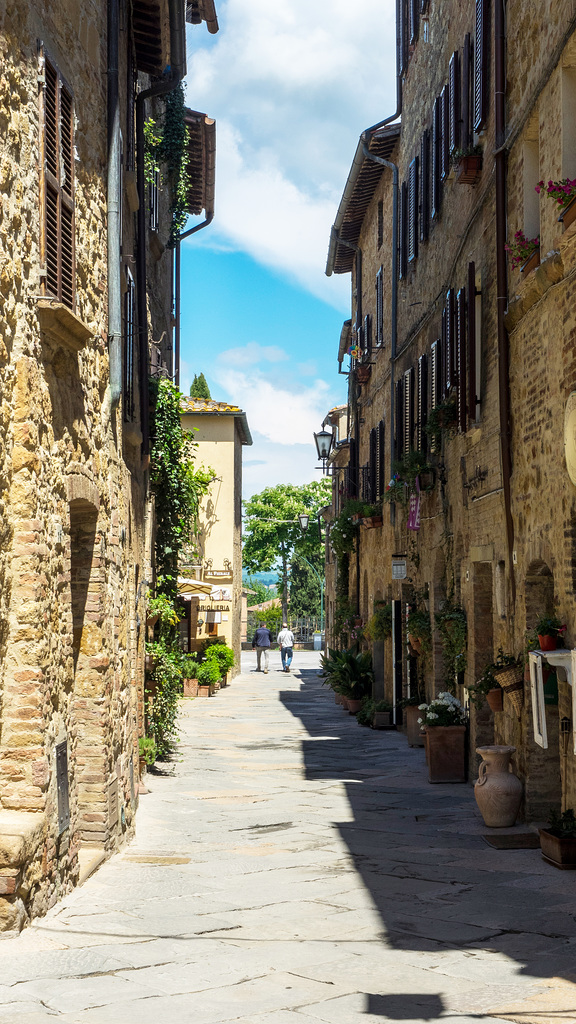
286 641
261 644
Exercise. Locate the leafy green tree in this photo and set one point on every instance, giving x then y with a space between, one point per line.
304 590
272 532
261 591
200 388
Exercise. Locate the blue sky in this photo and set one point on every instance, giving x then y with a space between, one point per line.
291 85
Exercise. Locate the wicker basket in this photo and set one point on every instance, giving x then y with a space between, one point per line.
511 679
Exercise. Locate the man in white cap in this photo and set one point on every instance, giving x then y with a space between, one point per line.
286 643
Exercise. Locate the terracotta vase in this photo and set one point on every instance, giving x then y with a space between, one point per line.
498 792
494 699
547 643
561 852
446 753
414 734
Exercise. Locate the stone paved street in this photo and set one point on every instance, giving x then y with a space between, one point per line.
294 868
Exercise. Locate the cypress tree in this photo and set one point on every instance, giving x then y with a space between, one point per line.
200 388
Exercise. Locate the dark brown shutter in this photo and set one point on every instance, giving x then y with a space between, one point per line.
424 6
402 34
372 465
445 133
424 196
436 186
414 20
130 109
461 356
421 403
454 101
472 399
435 396
368 333
381 458
129 346
380 223
380 307
399 417
481 64
444 370
59 186
403 231
450 341
465 118
413 210
353 468
408 410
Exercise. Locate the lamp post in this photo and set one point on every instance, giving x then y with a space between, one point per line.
323 439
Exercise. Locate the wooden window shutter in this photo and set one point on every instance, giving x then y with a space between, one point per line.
481 64
402 232
436 185
424 183
465 139
450 341
414 20
399 418
472 399
372 464
424 4
380 307
422 403
130 109
454 102
381 459
360 341
353 468
413 210
129 347
408 410
435 396
445 133
402 34
368 333
380 229
461 357
58 142
444 369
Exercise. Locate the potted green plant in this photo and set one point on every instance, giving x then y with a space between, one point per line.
208 676
146 753
190 675
549 630
444 720
420 631
356 678
468 163
488 687
558 841
379 626
223 657
442 419
525 252
563 193
411 713
372 516
382 715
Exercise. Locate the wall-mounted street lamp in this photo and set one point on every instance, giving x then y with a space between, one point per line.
323 439
303 519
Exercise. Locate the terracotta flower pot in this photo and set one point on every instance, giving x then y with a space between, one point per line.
354 705
495 699
204 691
382 720
568 215
547 643
532 262
446 753
469 169
190 687
561 852
363 372
414 733
338 698
371 522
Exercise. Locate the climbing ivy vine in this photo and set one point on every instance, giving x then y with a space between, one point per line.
166 144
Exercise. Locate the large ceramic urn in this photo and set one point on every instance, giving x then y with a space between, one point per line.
497 790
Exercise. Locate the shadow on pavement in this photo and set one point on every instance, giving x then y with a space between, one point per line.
419 851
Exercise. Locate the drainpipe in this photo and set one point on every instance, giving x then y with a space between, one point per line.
501 277
114 206
185 234
169 82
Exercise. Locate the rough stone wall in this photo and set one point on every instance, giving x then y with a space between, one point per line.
72 513
462 521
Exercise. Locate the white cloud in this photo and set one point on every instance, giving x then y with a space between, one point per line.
284 415
291 84
253 352
266 464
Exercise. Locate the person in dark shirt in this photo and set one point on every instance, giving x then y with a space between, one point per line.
261 644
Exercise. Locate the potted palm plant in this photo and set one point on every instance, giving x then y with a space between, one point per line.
558 841
444 720
356 678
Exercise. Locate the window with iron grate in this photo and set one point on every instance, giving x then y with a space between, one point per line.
58 153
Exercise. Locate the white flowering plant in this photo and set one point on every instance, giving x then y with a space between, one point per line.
443 710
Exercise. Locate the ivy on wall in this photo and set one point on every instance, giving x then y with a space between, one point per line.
166 144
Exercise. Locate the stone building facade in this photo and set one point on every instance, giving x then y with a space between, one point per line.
211 581
75 523
442 323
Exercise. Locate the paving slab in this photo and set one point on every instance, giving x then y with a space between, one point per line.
290 867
